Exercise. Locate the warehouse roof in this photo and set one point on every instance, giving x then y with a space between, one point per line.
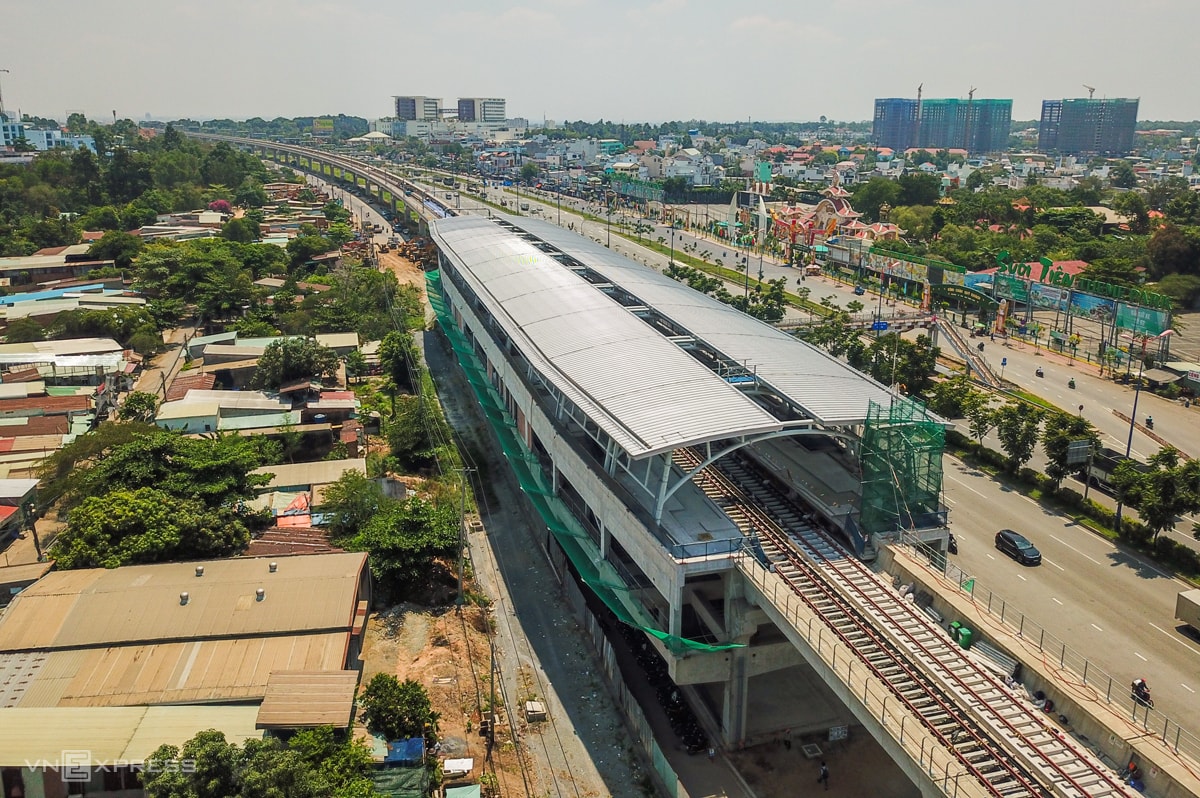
141 603
642 389
298 699
98 737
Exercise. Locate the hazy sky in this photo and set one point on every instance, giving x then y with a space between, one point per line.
590 59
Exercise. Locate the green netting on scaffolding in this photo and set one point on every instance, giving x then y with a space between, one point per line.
901 456
596 572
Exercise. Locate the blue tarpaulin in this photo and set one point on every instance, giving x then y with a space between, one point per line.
405 752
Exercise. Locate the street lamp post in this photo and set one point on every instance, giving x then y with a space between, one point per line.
672 263
608 203
1137 392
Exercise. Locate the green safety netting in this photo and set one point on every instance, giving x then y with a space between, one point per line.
595 571
901 467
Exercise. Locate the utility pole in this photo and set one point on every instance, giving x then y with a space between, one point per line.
462 534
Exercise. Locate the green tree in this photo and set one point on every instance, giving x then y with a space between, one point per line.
1162 494
1122 176
138 406
870 196
351 502
117 246
950 397
24 330
128 456
1171 250
398 710
919 189
403 539
981 416
241 230
399 359
896 361
125 527
1017 427
356 365
293 359
311 764
1058 432
529 171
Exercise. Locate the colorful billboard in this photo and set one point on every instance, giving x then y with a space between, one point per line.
322 128
1094 308
1012 288
1045 297
1142 320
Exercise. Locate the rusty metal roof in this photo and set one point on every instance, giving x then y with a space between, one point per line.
142 604
305 699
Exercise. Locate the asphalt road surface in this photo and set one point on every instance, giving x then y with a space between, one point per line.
1115 608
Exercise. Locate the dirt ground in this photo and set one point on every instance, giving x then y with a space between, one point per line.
857 766
450 655
407 272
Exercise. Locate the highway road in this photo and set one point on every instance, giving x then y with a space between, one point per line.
1113 607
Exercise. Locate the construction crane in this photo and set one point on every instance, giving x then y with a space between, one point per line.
1091 90
3 118
967 125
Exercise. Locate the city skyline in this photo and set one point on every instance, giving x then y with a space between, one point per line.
577 59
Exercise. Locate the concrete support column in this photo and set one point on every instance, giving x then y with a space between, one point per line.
737 698
605 537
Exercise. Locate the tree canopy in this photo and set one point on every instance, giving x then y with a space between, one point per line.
313 763
293 359
398 710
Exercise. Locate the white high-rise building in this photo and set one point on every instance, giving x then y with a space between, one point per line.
418 109
481 109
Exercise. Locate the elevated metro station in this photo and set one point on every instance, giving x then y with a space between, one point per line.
613 387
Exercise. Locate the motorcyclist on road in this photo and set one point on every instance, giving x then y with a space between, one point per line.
1039 372
1149 422
1140 692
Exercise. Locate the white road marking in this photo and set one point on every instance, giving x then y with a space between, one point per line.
1097 628
968 487
950 501
1052 562
991 556
1185 687
1023 579
1056 601
1072 548
1139 656
1172 636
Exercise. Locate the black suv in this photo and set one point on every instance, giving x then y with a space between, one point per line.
1016 546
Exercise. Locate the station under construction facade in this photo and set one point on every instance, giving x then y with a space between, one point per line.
621 398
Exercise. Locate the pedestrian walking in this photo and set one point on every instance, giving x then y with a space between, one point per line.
824 777
712 753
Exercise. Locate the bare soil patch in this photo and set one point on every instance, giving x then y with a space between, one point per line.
450 655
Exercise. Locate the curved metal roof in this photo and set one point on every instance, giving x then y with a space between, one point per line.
828 390
642 389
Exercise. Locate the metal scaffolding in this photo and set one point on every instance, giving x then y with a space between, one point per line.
901 449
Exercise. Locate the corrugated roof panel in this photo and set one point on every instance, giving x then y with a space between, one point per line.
610 363
829 390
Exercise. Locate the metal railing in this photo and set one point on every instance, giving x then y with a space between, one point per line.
1055 652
